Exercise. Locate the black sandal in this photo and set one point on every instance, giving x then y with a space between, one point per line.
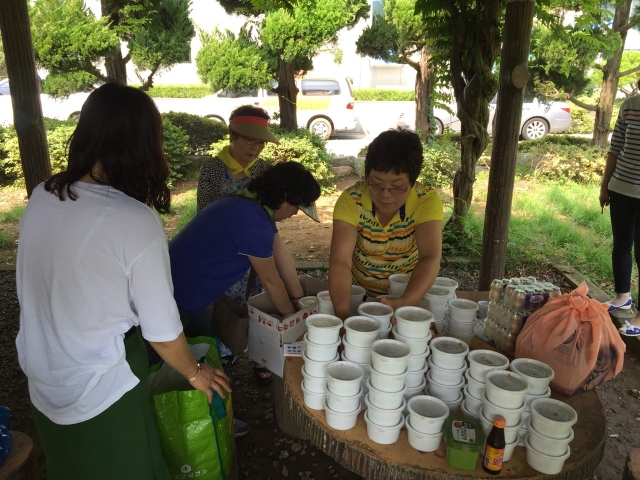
258 371
227 362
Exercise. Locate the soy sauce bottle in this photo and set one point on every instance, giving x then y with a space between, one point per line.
494 450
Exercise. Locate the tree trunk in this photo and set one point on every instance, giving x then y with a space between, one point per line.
25 92
114 64
610 77
287 94
424 87
513 78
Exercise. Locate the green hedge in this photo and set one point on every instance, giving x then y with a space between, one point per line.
373 95
201 132
180 91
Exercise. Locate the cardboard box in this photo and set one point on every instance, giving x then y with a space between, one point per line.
475 296
269 336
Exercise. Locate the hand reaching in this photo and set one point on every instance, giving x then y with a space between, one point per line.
211 378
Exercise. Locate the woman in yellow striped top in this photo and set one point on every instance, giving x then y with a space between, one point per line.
387 223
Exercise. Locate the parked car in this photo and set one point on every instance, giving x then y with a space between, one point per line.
4 87
538 119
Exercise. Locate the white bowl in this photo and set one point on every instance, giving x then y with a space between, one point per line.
446 282
413 391
388 383
508 450
341 421
417 362
546 445
537 373
473 404
361 331
454 404
460 328
398 283
415 378
379 311
416 345
511 415
547 464
438 314
366 367
314 401
448 352
446 393
474 387
505 389
314 384
465 410
427 414
380 434
437 297
341 404
552 418
384 334
356 354
324 303
510 433
382 416
323 329
463 338
320 353
317 368
461 309
344 378
483 361
413 322
528 399
423 442
446 376
388 400
389 356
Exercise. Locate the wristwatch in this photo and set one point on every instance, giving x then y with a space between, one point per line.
191 379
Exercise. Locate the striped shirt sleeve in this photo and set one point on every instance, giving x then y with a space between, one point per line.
346 209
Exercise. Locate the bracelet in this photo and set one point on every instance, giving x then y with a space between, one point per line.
196 375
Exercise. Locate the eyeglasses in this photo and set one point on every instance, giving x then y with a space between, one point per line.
251 142
395 191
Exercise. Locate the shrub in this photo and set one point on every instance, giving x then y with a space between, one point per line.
180 91
175 148
441 160
201 132
372 95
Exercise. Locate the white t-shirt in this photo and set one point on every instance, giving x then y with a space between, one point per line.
87 271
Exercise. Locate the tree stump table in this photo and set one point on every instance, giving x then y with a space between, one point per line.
20 464
353 449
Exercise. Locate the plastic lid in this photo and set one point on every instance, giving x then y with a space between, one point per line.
463 433
499 421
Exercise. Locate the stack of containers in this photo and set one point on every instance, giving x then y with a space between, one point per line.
480 363
360 333
461 319
437 298
504 395
424 422
385 399
538 375
321 348
447 365
413 328
325 305
381 312
549 435
344 389
439 313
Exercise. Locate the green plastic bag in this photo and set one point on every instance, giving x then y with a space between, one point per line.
197 439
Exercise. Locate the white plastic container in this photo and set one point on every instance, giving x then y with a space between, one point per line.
510 433
357 297
309 301
546 445
323 329
324 302
547 464
445 376
467 339
380 434
413 391
465 410
314 401
462 310
460 328
448 352
423 442
366 367
379 311
505 389
483 308
344 378
528 399
416 378
473 404
416 345
427 414
511 415
438 314
356 354
440 326
320 353
524 417
446 282
382 416
384 334
413 322
454 404
388 383
475 388
437 297
398 283
446 393
390 357
508 450
552 418
341 404
341 421
317 368
537 373
417 362
522 434
314 384
483 361
361 331
381 399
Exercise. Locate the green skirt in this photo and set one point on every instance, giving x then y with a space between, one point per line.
121 443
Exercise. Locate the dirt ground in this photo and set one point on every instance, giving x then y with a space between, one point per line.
265 452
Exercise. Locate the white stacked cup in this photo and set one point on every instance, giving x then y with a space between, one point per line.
360 333
324 302
398 283
358 295
385 399
425 421
321 349
447 365
344 389
413 328
381 312
462 318
480 362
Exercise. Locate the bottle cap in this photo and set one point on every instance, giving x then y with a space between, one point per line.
499 421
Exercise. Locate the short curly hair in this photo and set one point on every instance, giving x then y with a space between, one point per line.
285 182
398 150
